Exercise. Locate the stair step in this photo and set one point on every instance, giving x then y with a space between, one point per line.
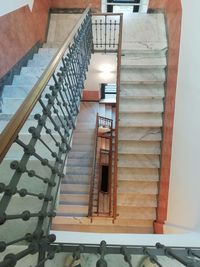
76 179
82 148
80 154
142 76
72 199
79 162
143 61
138 161
140 120
139 134
72 210
74 189
135 174
140 105
31 80
126 199
36 70
138 187
139 147
50 51
144 91
78 170
141 213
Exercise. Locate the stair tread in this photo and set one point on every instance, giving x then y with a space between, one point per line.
138 174
143 60
140 105
138 161
139 134
142 76
138 147
140 120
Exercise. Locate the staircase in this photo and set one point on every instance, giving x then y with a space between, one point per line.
14 94
75 187
141 108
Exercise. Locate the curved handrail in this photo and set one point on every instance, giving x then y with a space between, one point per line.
13 128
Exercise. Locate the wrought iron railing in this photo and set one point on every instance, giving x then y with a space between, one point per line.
32 163
106 32
105 255
107 124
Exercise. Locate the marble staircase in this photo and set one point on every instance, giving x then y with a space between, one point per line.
141 108
75 187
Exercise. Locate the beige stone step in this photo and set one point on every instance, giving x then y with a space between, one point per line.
139 134
124 199
139 161
74 189
87 162
101 221
82 147
140 105
103 229
71 169
137 187
142 91
76 179
140 60
80 154
139 147
74 198
142 76
136 213
72 210
134 174
140 120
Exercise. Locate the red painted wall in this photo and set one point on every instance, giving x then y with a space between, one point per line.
173 11
95 4
19 31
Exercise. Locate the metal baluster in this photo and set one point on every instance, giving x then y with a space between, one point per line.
102 251
114 34
127 256
101 42
96 27
170 253
3 245
152 258
105 34
110 33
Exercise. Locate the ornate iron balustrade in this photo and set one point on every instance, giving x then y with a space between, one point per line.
30 183
159 255
106 28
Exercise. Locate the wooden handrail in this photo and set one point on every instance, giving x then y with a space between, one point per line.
90 206
117 118
13 128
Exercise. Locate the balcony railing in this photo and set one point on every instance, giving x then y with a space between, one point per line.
104 255
106 28
30 183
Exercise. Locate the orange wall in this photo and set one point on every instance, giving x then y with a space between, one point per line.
19 31
173 12
95 4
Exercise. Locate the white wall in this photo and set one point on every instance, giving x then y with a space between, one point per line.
184 196
102 69
7 6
